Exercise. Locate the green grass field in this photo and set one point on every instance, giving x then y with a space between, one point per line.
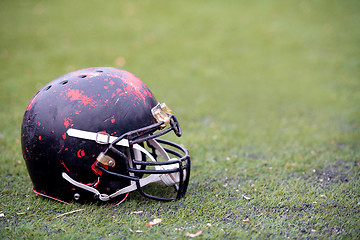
267 94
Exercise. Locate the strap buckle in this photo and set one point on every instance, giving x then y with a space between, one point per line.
102 138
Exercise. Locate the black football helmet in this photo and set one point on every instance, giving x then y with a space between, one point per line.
92 135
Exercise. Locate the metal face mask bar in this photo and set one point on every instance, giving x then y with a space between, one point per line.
171 172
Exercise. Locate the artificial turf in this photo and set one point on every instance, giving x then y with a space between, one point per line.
266 92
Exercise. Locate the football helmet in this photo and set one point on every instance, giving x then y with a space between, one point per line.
93 135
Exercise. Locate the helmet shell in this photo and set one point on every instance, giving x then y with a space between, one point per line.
101 99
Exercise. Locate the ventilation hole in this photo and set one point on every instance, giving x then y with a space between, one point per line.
82 76
47 88
64 82
99 71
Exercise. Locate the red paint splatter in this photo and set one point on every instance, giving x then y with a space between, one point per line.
78 112
64 136
76 95
118 90
111 83
67 122
106 87
112 119
80 153
39 137
95 169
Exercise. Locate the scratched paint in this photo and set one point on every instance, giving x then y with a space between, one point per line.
77 95
62 162
131 85
30 105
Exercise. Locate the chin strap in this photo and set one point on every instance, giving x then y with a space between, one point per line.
104 138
